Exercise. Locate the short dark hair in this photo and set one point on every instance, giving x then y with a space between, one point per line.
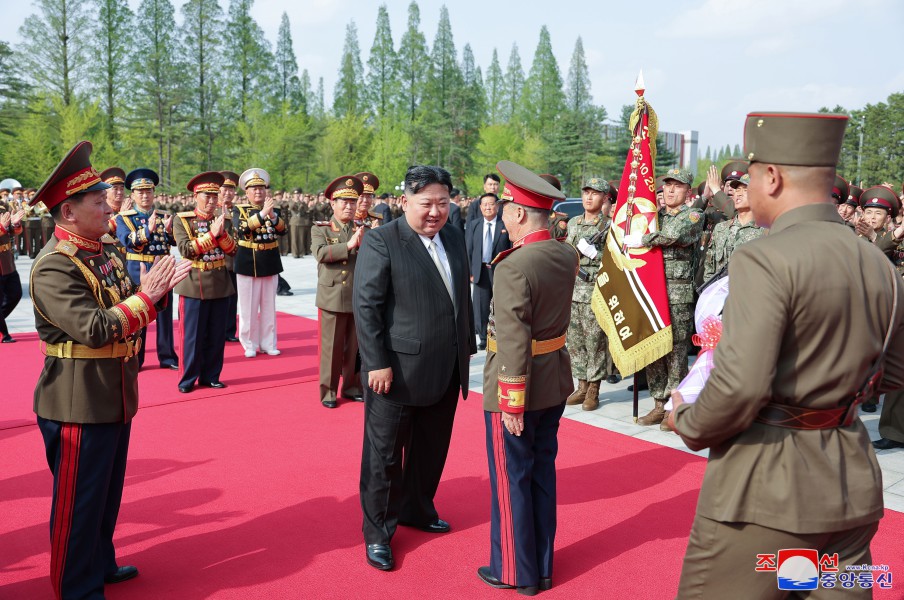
455 192
75 198
488 195
492 176
384 196
420 176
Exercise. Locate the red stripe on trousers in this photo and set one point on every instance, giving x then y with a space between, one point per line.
503 498
67 477
182 334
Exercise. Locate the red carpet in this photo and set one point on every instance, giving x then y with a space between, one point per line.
253 494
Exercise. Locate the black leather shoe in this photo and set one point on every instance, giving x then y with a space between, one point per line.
438 526
329 403
886 444
868 408
169 366
8 339
121 574
487 578
185 388
614 379
217 385
286 293
482 346
545 584
379 556
640 388
357 397
232 339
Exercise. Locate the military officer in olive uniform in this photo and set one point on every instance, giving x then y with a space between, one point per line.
728 235
789 463
335 246
848 207
880 205
297 211
225 205
527 376
678 235
147 235
258 225
88 314
204 296
10 285
33 242
284 205
587 344
116 179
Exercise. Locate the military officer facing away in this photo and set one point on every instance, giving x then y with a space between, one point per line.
790 464
88 313
204 296
335 246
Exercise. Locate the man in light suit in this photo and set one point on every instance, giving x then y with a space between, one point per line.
415 334
481 252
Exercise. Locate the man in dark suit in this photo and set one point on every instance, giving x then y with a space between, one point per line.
455 210
415 334
485 238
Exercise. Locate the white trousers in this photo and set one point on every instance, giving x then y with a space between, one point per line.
257 312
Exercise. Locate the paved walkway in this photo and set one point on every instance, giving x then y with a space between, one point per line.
613 414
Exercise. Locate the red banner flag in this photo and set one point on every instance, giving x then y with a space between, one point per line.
630 300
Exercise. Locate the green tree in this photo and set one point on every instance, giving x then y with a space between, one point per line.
202 34
305 93
110 50
248 58
55 46
382 69
441 99
543 99
514 85
14 93
495 91
348 95
412 57
287 82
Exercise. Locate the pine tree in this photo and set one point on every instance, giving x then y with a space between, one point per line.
305 93
248 58
287 81
202 34
577 90
319 107
412 58
470 112
348 95
382 69
13 94
514 86
110 50
543 99
54 50
442 100
495 91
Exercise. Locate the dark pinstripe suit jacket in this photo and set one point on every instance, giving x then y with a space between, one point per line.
404 316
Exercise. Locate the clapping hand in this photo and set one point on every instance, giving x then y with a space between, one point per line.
216 228
168 224
267 211
713 182
166 273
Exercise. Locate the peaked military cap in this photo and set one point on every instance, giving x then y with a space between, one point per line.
680 175
230 179
854 192
347 186
113 175
142 179
526 187
369 181
794 139
73 175
734 170
744 180
254 178
209 181
840 189
553 180
596 184
9 184
881 196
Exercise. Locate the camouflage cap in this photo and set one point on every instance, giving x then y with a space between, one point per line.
597 184
680 175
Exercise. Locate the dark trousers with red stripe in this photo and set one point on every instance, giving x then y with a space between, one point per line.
88 462
523 486
203 338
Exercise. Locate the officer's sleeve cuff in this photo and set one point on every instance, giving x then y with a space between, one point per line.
135 312
204 243
280 225
512 393
226 243
254 222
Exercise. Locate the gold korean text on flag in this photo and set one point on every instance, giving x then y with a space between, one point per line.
629 298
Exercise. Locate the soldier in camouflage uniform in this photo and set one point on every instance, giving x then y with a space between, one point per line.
728 235
679 232
587 344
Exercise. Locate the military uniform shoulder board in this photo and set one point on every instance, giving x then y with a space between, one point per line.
107 239
128 213
246 206
66 247
186 214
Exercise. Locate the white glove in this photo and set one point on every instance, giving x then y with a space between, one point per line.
634 241
587 249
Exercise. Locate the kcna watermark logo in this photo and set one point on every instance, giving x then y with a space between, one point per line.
803 569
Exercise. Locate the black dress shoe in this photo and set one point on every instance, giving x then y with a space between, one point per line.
379 556
329 403
868 408
640 388
285 293
886 444
169 366
121 574
232 339
185 388
614 379
8 339
438 526
217 385
482 346
545 584
527 590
